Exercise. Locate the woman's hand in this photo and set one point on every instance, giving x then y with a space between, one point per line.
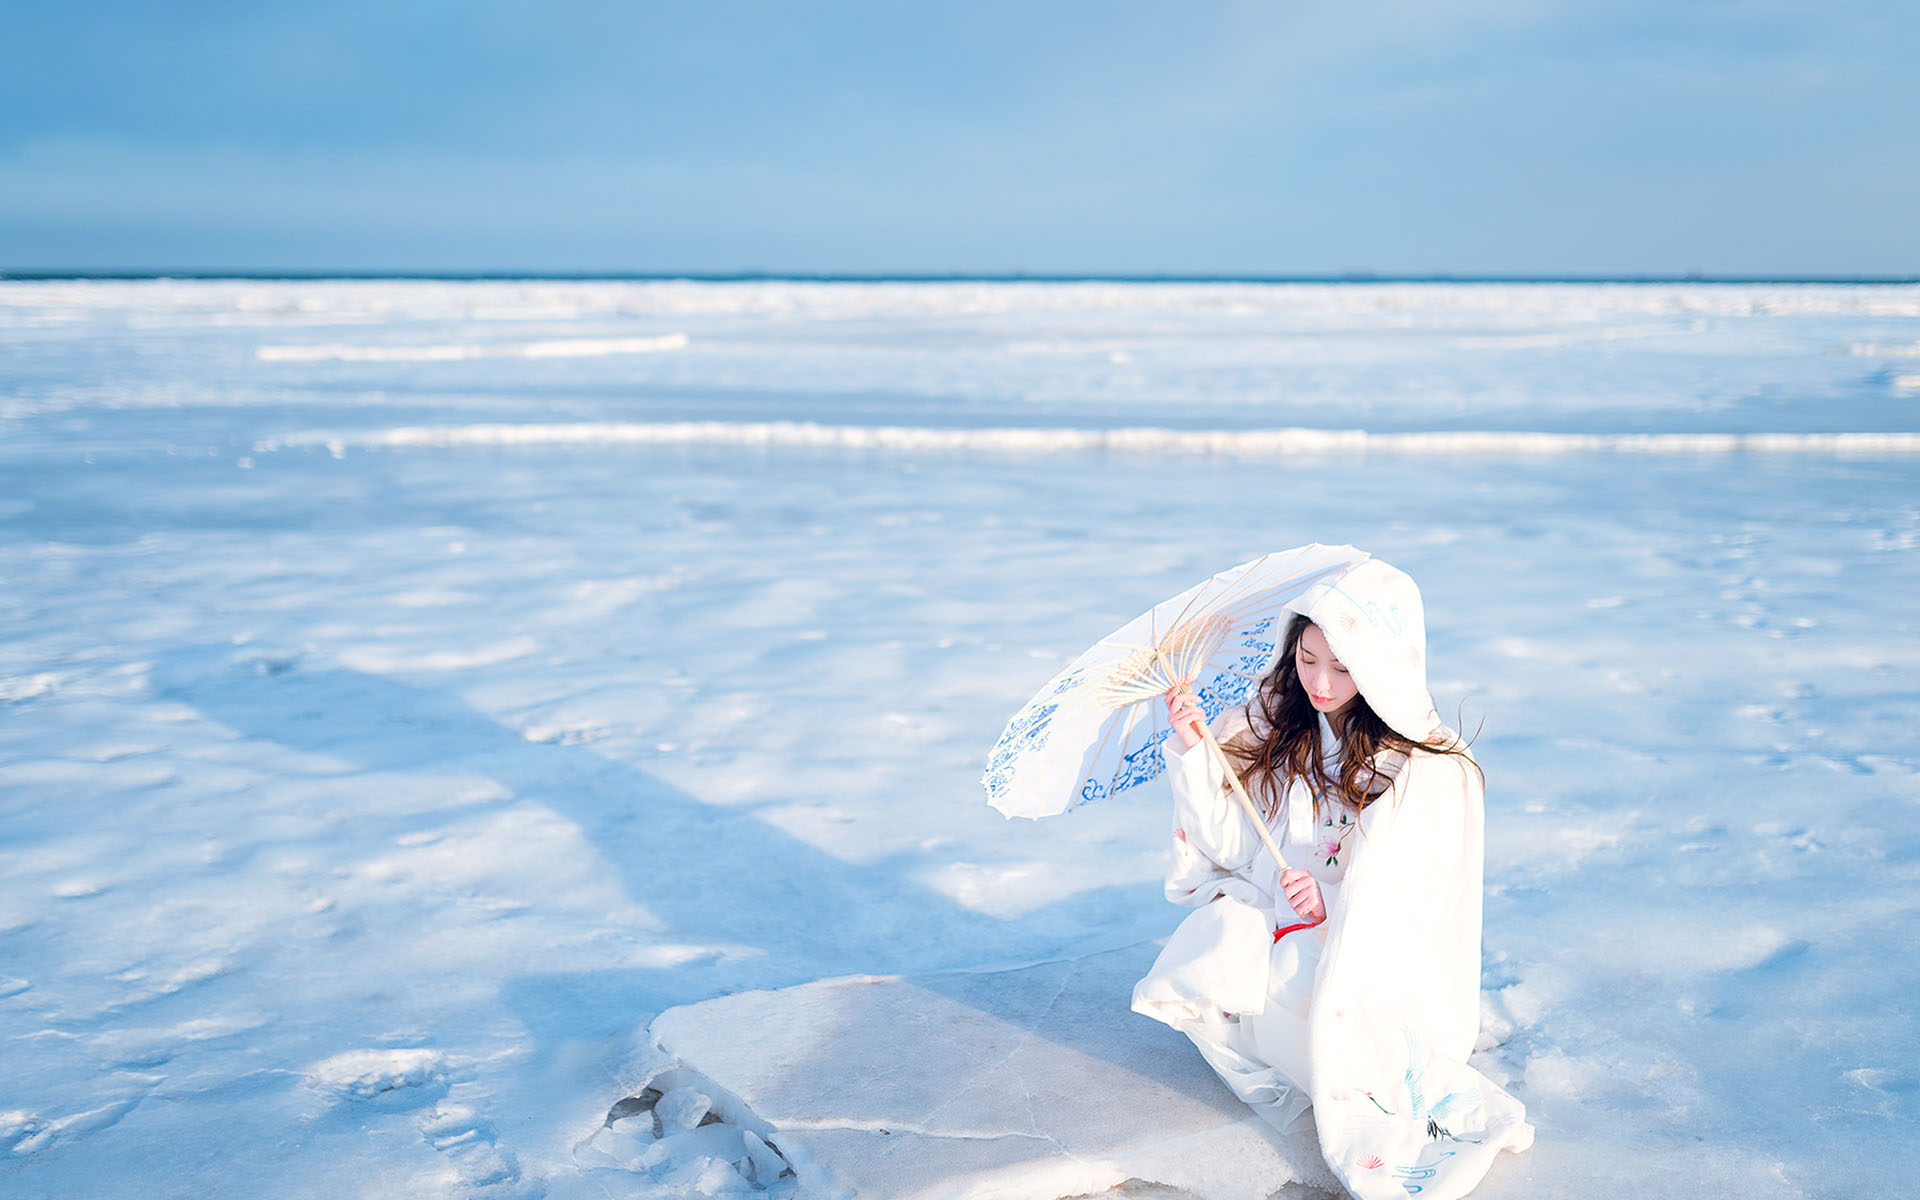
1303 892
1186 717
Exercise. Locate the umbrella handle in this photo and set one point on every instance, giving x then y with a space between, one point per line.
1246 801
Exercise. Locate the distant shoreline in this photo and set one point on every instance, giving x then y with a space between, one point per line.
1358 278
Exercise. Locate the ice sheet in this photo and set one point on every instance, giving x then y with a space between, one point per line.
361 806
1027 1084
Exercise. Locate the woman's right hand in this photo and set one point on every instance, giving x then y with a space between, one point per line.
1186 717
1303 894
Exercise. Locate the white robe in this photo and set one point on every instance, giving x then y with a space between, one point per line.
1370 1016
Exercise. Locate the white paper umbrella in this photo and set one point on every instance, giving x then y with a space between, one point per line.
1096 727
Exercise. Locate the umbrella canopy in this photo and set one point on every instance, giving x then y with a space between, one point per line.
1092 731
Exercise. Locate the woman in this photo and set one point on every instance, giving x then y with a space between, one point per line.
1347 977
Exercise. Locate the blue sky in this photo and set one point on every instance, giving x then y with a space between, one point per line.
1474 137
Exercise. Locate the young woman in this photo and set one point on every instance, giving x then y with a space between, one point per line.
1346 978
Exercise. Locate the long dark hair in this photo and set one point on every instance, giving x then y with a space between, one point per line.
1290 748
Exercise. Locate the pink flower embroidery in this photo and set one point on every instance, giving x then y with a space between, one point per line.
1370 1163
1179 835
1331 848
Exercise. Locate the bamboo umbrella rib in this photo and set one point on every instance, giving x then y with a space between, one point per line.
1069 736
1236 607
1251 568
1119 722
1294 580
1218 607
1231 606
1115 727
1059 740
1064 737
1248 579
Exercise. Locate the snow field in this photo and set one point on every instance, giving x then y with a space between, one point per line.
362 812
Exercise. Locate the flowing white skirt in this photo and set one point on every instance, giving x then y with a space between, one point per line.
1243 999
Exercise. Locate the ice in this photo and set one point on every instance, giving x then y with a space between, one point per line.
699 1176
617 1146
684 1144
367 799
696 1154
764 1165
1036 1082
682 1108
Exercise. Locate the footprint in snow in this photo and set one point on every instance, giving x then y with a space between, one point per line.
486 1168
415 1081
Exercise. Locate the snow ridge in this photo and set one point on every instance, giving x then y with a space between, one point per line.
456 351
1250 443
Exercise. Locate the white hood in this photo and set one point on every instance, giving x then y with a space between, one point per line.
1376 626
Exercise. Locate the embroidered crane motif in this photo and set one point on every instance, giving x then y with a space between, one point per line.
1427 1112
1420 1107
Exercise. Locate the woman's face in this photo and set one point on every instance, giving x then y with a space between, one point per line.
1327 683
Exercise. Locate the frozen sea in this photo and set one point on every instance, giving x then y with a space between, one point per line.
408 690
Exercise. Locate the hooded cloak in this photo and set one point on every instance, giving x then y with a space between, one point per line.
1371 1015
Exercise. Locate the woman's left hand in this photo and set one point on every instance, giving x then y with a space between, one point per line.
1303 892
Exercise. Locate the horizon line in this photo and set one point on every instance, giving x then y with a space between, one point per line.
1169 277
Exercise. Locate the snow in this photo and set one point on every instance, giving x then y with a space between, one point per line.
546 348
364 1074
375 802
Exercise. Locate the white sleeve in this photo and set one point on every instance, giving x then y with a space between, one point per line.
1329 895
1206 817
